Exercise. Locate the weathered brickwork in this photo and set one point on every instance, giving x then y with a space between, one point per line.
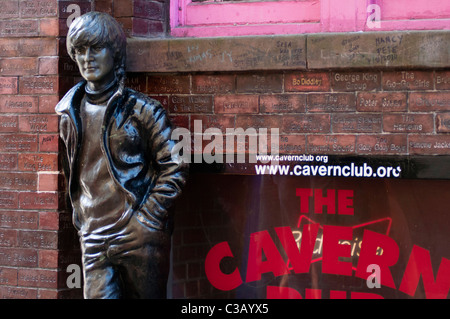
33 256
369 112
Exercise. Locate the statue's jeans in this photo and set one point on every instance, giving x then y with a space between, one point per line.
130 263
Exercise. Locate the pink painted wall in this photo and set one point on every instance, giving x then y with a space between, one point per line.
208 19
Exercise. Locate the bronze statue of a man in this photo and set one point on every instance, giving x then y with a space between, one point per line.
122 177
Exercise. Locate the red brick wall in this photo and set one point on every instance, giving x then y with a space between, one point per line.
31 250
335 112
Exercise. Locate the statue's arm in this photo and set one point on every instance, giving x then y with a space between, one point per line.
172 173
64 132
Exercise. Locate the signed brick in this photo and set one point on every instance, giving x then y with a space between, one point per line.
377 49
282 103
9 47
314 123
236 104
331 102
356 123
166 84
307 81
429 101
32 200
217 84
9 200
18 219
382 144
39 85
331 144
8 85
137 82
408 123
38 47
407 80
18 66
38 278
38 123
218 54
48 143
355 81
259 83
429 144
18 257
9 123
38 8
19 28
9 9
18 142
18 104
190 104
8 162
381 101
18 181
292 144
39 239
18 293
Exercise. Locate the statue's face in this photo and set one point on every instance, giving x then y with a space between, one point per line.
96 65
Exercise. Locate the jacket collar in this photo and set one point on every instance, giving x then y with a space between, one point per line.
70 103
71 100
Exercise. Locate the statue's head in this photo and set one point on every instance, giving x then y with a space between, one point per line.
97 43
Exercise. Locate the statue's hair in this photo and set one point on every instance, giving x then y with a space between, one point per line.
99 29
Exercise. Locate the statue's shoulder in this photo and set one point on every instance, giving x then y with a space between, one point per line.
142 100
70 98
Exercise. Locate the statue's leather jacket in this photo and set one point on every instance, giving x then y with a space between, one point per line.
136 140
